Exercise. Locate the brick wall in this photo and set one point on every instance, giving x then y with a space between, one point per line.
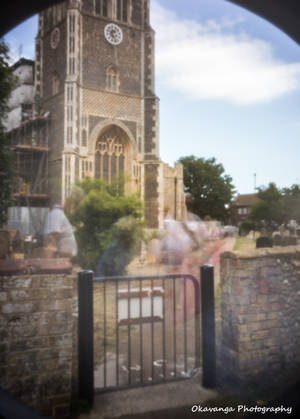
260 336
37 314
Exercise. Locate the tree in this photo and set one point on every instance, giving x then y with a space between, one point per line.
6 160
268 211
276 206
109 225
246 226
209 190
291 203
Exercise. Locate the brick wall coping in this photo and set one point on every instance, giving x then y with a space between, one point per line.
30 266
292 251
66 276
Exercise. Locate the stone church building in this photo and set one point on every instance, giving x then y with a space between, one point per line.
94 108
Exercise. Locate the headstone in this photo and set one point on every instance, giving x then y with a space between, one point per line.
264 242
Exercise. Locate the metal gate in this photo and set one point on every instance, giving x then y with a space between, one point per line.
142 330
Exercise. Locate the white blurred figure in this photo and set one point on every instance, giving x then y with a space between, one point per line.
196 228
214 229
203 232
232 231
175 243
58 233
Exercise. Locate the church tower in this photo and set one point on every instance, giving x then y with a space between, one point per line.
94 74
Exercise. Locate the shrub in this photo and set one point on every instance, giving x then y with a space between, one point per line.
108 225
246 226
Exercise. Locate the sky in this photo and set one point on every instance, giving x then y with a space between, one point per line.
229 88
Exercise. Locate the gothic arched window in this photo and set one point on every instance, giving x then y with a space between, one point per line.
55 84
110 157
112 80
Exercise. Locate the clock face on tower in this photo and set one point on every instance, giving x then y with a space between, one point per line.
55 38
113 34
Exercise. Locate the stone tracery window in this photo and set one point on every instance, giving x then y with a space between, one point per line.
122 10
101 7
110 156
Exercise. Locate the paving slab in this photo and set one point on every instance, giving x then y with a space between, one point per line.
157 401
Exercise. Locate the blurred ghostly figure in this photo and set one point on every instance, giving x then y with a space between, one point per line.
127 233
58 233
175 243
196 229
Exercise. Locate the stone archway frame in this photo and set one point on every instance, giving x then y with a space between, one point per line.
101 127
283 14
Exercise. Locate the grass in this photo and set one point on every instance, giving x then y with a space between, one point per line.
244 243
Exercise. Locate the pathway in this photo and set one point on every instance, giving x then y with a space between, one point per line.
209 253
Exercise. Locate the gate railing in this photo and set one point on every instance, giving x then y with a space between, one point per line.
139 307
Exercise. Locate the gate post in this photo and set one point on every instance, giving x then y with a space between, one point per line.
208 326
85 336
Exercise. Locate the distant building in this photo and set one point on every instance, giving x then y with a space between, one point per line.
21 100
93 110
242 207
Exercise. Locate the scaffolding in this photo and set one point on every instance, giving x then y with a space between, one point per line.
29 143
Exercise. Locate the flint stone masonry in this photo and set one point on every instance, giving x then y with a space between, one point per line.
37 324
260 336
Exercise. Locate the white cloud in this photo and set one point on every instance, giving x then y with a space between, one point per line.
20 40
18 49
212 61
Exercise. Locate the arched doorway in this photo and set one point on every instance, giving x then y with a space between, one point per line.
112 154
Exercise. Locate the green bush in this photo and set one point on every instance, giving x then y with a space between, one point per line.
246 226
108 225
